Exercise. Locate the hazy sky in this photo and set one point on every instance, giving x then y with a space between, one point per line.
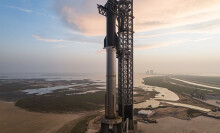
171 36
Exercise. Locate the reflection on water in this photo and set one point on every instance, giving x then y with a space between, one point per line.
54 76
82 93
42 91
99 79
83 88
164 93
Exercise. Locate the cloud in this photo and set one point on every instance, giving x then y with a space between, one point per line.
169 43
209 28
102 51
155 14
157 45
202 39
82 16
148 46
20 9
56 42
47 39
60 46
77 38
40 13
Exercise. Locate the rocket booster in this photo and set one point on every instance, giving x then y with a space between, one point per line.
110 43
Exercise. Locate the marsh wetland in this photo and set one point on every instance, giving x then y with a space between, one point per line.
70 100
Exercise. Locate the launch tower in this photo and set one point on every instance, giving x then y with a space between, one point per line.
118 44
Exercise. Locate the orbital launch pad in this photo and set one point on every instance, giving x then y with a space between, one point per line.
118 44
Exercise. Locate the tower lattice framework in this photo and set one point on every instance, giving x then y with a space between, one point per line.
122 10
125 60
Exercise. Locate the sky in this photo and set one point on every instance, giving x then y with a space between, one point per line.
66 36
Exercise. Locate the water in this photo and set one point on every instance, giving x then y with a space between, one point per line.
163 93
54 76
99 79
42 91
164 96
82 93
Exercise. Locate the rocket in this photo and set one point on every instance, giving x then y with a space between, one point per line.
110 43
122 46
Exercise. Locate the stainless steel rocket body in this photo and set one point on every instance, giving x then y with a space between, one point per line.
110 100
110 82
120 44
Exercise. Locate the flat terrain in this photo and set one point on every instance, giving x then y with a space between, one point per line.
41 106
17 120
177 86
43 109
58 102
40 95
213 81
199 124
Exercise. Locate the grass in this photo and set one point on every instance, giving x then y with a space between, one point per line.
193 113
11 87
203 79
82 125
63 103
164 81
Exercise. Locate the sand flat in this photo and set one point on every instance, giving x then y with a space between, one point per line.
14 119
199 124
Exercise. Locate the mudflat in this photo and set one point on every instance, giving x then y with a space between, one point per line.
14 119
199 124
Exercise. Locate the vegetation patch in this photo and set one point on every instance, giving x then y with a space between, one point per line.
193 113
63 103
81 126
11 87
179 87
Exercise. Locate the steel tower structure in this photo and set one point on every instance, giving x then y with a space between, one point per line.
125 61
120 44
